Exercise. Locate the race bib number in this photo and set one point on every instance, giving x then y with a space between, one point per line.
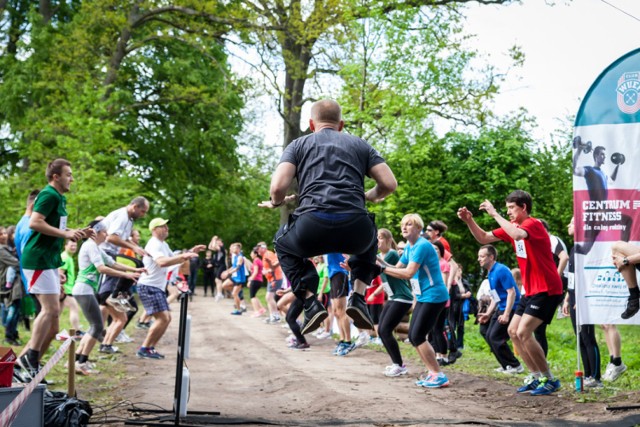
415 286
571 281
494 295
521 250
63 223
387 288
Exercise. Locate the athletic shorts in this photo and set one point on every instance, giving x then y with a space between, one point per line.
102 297
274 286
239 283
374 311
254 287
43 281
326 301
154 300
339 285
541 306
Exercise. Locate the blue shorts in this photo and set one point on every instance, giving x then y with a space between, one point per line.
154 300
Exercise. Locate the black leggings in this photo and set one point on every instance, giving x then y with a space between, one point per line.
589 350
438 336
254 287
208 279
390 318
423 320
295 309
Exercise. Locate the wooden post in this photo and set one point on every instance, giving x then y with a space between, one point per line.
71 371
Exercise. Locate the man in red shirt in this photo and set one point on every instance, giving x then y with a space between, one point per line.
542 285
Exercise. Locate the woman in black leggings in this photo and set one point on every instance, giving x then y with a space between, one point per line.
398 305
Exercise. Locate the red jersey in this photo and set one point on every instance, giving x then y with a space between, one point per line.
378 299
539 273
446 245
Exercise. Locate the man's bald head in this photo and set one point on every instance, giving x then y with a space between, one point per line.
326 111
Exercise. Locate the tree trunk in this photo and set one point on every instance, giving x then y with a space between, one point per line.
121 50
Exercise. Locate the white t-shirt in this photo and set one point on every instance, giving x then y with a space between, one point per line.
90 258
156 276
118 223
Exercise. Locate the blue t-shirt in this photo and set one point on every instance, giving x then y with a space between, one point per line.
500 279
432 287
20 239
333 264
239 276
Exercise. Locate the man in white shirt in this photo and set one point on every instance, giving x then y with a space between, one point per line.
153 283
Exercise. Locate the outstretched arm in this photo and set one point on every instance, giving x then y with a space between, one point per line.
483 237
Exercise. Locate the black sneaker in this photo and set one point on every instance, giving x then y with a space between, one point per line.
357 310
28 370
108 349
313 316
633 305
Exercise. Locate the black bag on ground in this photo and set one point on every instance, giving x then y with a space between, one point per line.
61 410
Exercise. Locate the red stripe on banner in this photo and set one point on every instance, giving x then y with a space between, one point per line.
607 220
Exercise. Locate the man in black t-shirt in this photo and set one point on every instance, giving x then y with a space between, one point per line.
330 167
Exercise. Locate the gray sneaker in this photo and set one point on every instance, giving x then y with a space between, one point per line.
613 372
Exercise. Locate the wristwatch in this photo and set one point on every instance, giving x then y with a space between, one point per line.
625 261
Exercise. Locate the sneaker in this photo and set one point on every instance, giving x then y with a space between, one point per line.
143 325
28 370
108 349
435 381
357 310
154 352
116 304
395 370
313 316
346 349
301 346
256 314
363 339
63 335
123 338
546 387
124 302
237 312
376 341
530 383
442 361
338 348
591 382
509 370
323 335
218 297
500 369
83 369
633 305
148 354
613 372
243 308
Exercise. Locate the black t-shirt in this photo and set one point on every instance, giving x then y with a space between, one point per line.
330 168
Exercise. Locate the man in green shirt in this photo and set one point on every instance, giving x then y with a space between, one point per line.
41 260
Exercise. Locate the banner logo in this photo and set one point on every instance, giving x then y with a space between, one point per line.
629 92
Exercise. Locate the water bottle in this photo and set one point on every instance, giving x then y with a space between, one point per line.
579 382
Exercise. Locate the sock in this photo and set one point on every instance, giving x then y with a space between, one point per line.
616 361
548 375
82 358
610 359
536 375
634 293
78 357
144 348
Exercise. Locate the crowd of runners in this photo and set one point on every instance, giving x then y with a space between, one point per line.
332 272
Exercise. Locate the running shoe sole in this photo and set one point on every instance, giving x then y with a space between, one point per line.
315 322
360 320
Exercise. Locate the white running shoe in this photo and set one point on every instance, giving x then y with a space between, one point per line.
613 372
219 297
509 370
363 339
323 335
123 337
395 370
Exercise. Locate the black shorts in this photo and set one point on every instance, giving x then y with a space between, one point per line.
326 301
339 285
374 311
541 306
254 288
102 297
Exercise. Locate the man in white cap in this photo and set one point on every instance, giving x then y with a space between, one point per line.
153 283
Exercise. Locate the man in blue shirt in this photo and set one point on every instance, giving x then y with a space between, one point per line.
505 296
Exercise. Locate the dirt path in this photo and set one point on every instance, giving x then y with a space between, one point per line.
241 367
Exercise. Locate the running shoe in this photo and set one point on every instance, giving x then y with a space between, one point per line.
83 369
243 308
633 305
436 381
613 372
376 341
314 315
509 370
323 335
123 337
346 349
530 383
219 297
108 349
148 354
424 377
339 348
396 370
237 312
301 346
591 382
358 311
546 387
28 369
363 339
124 302
500 369
143 325
116 304
153 351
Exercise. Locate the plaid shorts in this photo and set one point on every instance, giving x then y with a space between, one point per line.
154 300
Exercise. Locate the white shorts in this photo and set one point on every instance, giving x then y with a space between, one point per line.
43 281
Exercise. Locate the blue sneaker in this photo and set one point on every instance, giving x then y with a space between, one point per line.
237 312
546 387
338 348
530 383
346 349
435 381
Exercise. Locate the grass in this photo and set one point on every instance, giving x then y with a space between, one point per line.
101 390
